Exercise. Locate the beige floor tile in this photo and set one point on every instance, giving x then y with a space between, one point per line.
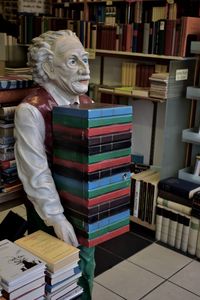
100 293
128 280
169 291
189 277
160 260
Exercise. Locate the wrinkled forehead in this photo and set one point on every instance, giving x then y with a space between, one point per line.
68 44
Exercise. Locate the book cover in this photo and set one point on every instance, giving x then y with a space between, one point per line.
92 110
15 82
17 264
54 252
193 235
24 289
179 187
189 26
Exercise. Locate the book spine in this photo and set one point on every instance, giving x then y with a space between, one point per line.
179 231
185 234
193 234
159 217
165 226
172 228
198 245
136 198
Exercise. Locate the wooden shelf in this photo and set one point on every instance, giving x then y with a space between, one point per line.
132 55
112 92
11 199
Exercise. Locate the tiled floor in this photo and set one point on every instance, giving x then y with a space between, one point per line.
133 266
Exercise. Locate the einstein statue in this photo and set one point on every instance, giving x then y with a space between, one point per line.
60 67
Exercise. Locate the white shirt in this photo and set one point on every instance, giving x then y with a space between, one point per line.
31 158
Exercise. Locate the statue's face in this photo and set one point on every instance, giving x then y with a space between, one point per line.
70 66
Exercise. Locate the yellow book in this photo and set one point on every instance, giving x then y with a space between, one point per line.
54 252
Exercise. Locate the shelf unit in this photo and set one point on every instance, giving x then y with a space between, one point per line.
176 108
191 135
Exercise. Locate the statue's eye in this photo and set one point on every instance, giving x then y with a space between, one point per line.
72 61
85 60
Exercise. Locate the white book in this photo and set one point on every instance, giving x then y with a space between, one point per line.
60 277
34 294
61 292
64 283
17 266
25 288
72 294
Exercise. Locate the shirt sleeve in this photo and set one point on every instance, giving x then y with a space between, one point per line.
32 162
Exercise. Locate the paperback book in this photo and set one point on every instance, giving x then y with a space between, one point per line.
56 253
18 266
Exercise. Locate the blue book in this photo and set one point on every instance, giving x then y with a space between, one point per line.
179 187
93 110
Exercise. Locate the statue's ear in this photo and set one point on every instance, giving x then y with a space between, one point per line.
48 69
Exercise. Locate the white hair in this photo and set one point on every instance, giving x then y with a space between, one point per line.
42 50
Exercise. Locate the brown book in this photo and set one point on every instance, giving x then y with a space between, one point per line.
169 35
189 26
15 95
127 38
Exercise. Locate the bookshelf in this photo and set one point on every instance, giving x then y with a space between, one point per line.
190 135
160 132
173 121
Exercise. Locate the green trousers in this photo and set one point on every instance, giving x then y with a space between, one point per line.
86 263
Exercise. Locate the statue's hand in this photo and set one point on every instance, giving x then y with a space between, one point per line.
63 229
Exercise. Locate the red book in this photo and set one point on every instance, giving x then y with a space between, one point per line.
127 37
189 26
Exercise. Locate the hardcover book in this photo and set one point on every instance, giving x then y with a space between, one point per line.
17 265
92 110
56 253
179 187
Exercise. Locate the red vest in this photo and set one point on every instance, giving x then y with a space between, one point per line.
45 103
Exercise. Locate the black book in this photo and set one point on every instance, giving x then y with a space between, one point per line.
175 198
179 187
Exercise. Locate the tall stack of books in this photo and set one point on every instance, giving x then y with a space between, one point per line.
9 176
159 85
61 259
175 224
22 275
92 168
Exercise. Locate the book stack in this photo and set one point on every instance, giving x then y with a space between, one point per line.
7 160
92 168
61 260
10 181
22 275
159 85
174 224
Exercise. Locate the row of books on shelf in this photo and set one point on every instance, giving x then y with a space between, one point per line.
39 266
10 85
163 37
173 204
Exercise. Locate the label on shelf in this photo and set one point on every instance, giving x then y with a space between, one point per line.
181 74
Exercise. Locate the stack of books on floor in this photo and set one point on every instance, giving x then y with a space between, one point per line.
61 259
22 274
175 224
159 85
92 146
